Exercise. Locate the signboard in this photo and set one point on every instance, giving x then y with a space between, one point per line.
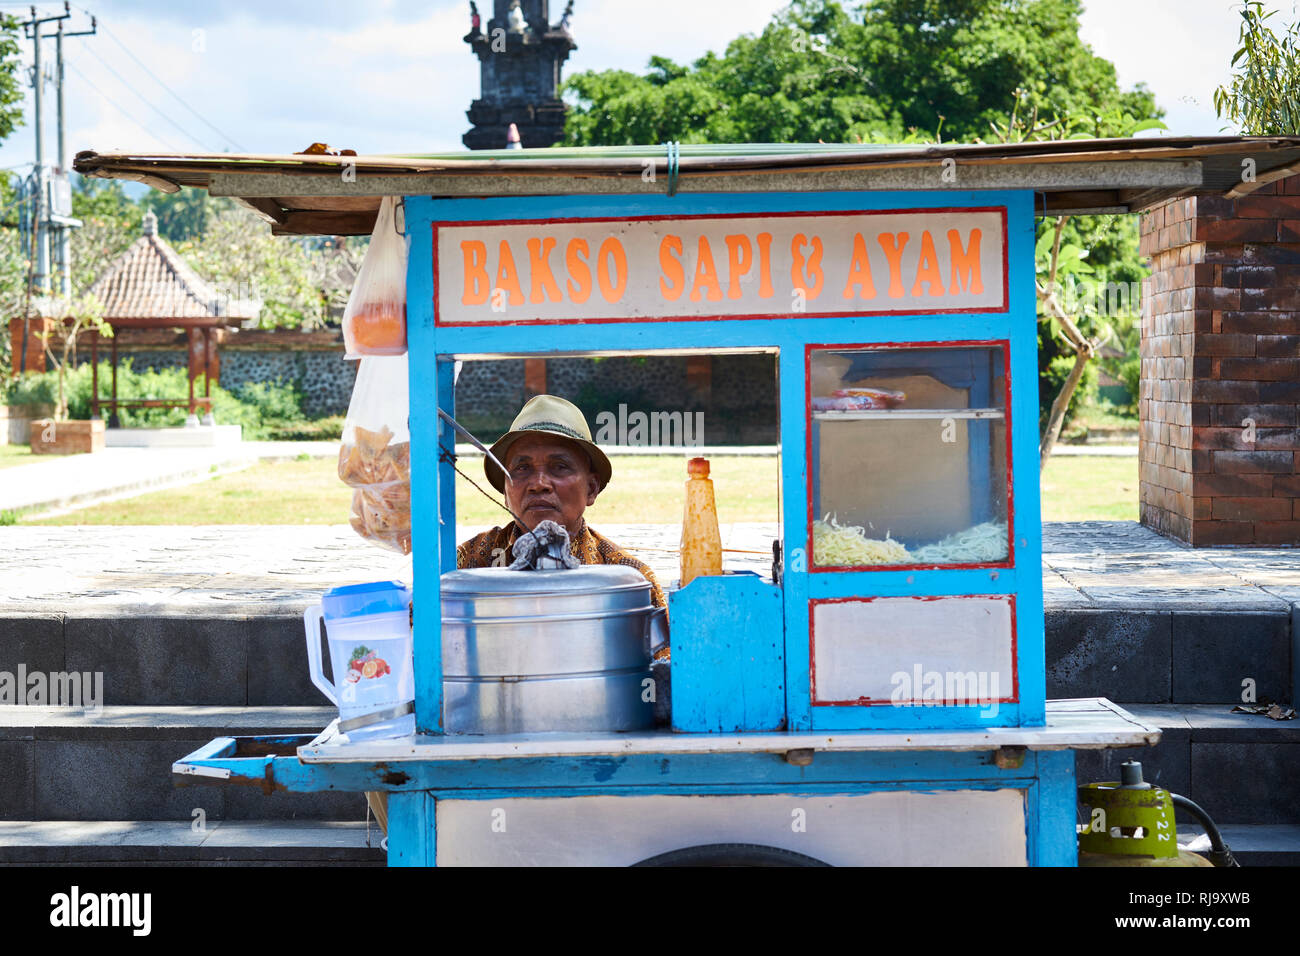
720 267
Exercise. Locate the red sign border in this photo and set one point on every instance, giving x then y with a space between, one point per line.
1006 291
813 700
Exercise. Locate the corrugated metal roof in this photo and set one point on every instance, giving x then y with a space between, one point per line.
320 194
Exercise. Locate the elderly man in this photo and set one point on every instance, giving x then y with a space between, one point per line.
556 472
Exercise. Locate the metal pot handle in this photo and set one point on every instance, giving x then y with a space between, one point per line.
657 628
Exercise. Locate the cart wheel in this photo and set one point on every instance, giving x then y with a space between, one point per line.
731 854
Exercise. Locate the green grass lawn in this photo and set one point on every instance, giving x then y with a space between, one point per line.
1090 488
11 455
645 489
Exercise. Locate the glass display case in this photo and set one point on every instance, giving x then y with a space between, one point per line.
908 456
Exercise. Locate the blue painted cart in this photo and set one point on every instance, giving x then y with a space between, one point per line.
877 701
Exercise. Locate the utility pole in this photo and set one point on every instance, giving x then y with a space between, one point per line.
61 194
41 236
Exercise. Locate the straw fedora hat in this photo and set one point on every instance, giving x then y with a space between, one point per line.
548 415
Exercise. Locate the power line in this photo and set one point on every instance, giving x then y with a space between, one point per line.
176 96
173 93
112 102
121 79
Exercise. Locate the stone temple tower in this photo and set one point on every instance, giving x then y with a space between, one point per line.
520 53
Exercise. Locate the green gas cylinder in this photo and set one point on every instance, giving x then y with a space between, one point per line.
1130 823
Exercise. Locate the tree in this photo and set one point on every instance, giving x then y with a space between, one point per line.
186 214
11 93
80 314
111 221
894 71
1263 98
105 200
889 69
13 268
238 255
1087 275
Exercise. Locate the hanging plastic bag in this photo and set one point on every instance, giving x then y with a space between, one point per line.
374 322
375 457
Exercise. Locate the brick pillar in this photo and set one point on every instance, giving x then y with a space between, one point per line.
35 347
699 377
1219 448
534 377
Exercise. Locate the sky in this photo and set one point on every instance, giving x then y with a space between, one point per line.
395 75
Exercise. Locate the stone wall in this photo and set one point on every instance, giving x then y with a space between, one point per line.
324 378
1219 400
313 361
737 395
739 406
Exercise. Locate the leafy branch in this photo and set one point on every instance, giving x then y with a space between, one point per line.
1263 98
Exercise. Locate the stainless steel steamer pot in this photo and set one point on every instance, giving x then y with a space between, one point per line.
538 651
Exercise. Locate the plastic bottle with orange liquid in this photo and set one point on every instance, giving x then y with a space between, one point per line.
701 543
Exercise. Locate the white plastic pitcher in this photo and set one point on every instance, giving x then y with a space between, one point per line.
369 632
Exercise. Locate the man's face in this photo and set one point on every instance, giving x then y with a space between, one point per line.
550 480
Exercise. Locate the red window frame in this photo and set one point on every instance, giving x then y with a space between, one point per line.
1005 346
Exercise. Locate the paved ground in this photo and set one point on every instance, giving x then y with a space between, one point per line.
59 481
1120 564
76 481
242 570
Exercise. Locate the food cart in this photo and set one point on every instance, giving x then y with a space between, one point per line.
880 697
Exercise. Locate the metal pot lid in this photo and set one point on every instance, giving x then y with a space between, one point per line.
587 579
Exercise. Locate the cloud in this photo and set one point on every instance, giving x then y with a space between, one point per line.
1182 50
293 13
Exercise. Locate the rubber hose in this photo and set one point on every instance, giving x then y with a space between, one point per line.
1221 851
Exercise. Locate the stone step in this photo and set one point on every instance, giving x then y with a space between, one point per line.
1252 844
243 656
1240 768
256 656
316 843
177 843
117 765
1180 657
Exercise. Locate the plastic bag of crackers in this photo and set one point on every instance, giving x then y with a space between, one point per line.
375 457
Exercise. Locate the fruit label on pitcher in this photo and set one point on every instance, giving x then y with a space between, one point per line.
365 664
369 680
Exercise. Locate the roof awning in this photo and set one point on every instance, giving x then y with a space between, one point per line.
339 195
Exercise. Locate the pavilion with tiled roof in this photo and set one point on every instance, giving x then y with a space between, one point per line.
149 286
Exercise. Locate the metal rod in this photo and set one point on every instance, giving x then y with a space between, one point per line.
62 235
42 219
476 443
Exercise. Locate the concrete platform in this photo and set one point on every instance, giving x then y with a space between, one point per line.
1241 768
212 615
197 436
1087 566
117 765
1251 844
